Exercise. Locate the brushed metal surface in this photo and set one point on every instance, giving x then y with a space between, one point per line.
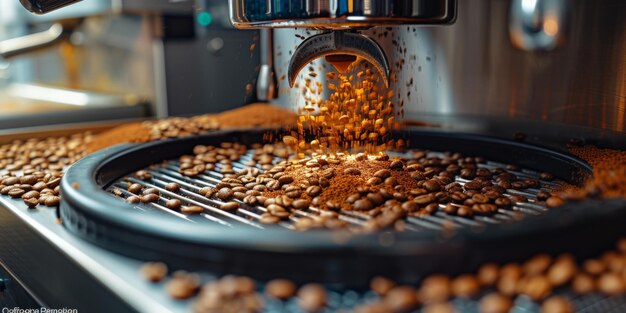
472 69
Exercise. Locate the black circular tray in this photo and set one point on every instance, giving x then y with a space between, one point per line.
582 228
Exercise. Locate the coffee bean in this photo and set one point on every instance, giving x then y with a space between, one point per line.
451 209
172 187
30 194
206 191
273 185
374 181
410 206
31 202
396 165
300 204
503 202
154 271
28 179
224 194
401 299
537 265
562 270
495 303
382 174
583 284
424 199
16 192
312 297
535 287
465 211
52 201
250 200
351 171
182 285
133 199
229 206
557 304
313 191
280 289
193 209
487 274
149 198
431 208
363 205
143 175
473 185
480 198
135 188
333 205
465 286
432 185
269 219
286 179
435 288
554 202
10 181
173 204
39 186
594 267
381 285
150 191
611 284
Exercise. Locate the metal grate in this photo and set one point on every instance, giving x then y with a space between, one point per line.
249 215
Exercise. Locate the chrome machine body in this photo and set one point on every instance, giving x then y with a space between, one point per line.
517 65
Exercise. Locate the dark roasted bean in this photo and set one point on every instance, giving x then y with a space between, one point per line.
173 204
135 188
149 198
133 199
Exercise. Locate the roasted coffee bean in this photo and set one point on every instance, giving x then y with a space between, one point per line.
424 199
543 196
39 186
487 274
313 191
173 204
536 287
28 179
503 202
333 205
16 192
465 286
31 202
473 185
154 271
583 284
10 181
518 198
382 174
611 284
401 299
30 194
229 206
269 219
557 304
143 175
562 270
396 165
172 187
439 308
351 171
495 303
431 208
465 211
363 205
432 185
410 206
206 191
280 289
224 194
537 265
250 200
273 185
451 209
300 204
285 179
485 208
381 285
594 267
353 197
480 198
554 202
52 201
135 188
435 288
312 297
133 199
193 209
149 191
149 198
182 285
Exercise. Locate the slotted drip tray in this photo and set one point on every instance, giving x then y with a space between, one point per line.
167 172
235 242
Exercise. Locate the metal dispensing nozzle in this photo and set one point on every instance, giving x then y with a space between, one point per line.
341 49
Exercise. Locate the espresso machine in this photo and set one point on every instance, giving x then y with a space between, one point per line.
512 81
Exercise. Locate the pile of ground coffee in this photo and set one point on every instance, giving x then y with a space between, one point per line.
253 115
609 170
